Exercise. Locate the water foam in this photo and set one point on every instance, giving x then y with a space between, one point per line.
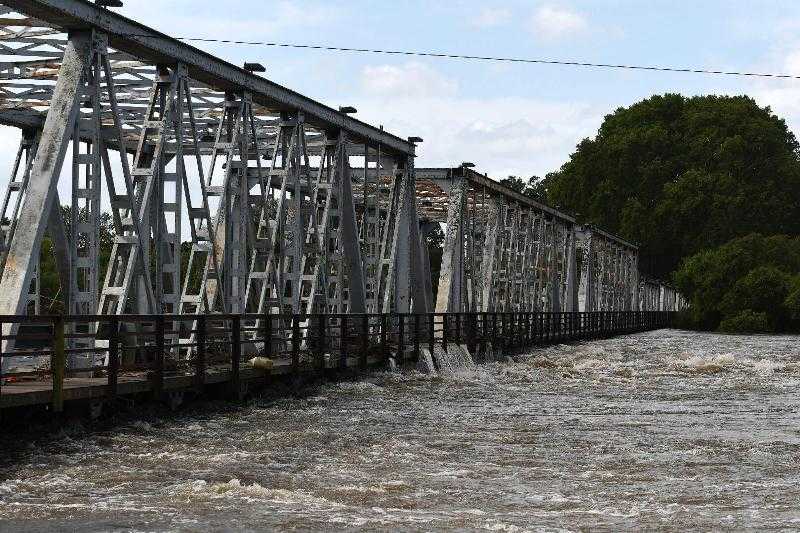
705 364
254 491
765 367
591 364
454 360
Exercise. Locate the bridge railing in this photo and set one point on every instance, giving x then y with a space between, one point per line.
170 352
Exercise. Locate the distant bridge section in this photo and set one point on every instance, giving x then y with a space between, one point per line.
506 252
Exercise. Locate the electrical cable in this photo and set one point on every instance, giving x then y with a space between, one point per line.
444 55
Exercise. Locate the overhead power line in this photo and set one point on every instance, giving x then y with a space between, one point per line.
524 60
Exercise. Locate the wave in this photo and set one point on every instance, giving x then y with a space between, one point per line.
730 362
381 488
705 364
254 491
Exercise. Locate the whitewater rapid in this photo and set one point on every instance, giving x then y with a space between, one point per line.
659 430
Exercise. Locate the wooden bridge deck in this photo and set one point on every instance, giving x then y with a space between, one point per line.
30 393
360 344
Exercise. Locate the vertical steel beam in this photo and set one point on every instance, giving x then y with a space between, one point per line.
591 275
394 248
85 206
554 268
204 256
421 299
425 230
401 260
15 190
571 299
314 279
135 211
349 232
61 247
37 206
235 202
489 252
9 216
633 280
403 280
449 292
264 288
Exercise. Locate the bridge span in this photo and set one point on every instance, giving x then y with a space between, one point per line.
284 209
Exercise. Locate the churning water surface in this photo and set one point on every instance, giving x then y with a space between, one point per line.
660 430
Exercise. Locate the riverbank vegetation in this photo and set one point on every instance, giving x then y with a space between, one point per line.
751 284
709 187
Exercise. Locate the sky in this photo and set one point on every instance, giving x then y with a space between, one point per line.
506 118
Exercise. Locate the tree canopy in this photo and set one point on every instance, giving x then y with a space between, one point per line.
533 188
751 284
681 175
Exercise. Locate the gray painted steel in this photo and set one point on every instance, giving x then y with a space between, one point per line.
269 233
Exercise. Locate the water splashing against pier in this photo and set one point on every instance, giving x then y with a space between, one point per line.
656 430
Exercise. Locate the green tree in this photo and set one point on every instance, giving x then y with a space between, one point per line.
51 292
748 284
680 175
533 187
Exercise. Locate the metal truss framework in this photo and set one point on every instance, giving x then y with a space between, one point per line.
279 219
262 175
608 274
504 251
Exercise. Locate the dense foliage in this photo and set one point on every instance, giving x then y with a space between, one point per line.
52 298
533 188
751 284
682 175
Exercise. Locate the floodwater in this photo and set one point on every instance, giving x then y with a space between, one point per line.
660 430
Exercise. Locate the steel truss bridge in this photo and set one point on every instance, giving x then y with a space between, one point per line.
290 206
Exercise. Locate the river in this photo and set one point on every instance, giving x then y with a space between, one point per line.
659 430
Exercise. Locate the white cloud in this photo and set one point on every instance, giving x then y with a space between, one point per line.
503 136
791 64
412 79
490 17
783 96
784 102
553 22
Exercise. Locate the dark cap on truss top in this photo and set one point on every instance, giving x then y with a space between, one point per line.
108 3
347 109
254 67
415 140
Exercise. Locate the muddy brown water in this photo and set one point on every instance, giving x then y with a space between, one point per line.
662 430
